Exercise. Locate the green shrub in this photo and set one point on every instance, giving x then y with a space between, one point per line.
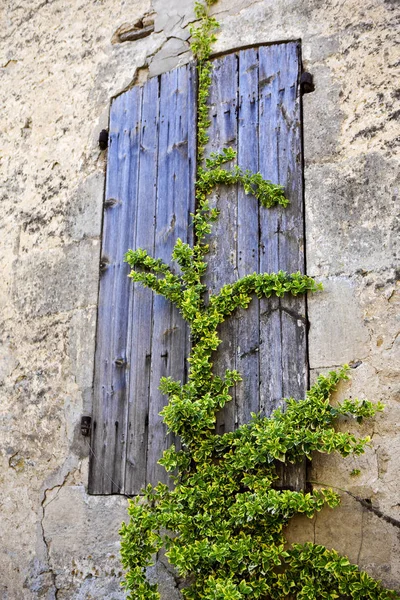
223 523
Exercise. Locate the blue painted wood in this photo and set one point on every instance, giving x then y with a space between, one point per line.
254 107
291 236
175 200
266 343
291 246
222 258
271 389
110 388
283 322
140 336
248 334
282 240
141 312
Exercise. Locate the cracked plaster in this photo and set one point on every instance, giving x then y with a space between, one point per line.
59 69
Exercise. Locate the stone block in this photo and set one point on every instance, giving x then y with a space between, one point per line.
337 333
169 12
117 69
8 361
81 532
378 547
167 585
58 280
341 528
322 117
172 54
84 210
318 48
300 530
81 348
93 588
351 220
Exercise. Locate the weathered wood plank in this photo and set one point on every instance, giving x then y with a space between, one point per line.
174 203
141 313
248 335
291 236
291 244
271 390
109 417
149 163
222 258
284 319
266 343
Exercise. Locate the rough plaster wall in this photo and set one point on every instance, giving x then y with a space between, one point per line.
58 72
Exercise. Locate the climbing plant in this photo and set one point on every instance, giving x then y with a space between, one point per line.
223 523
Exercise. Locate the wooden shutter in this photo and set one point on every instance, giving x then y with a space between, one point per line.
140 336
255 108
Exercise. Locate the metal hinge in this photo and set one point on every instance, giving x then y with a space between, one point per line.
103 139
86 425
306 83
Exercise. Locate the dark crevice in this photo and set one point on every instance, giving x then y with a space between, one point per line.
136 34
367 504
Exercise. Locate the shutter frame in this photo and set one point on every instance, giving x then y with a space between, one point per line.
255 94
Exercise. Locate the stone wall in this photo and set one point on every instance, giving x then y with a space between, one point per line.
61 63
